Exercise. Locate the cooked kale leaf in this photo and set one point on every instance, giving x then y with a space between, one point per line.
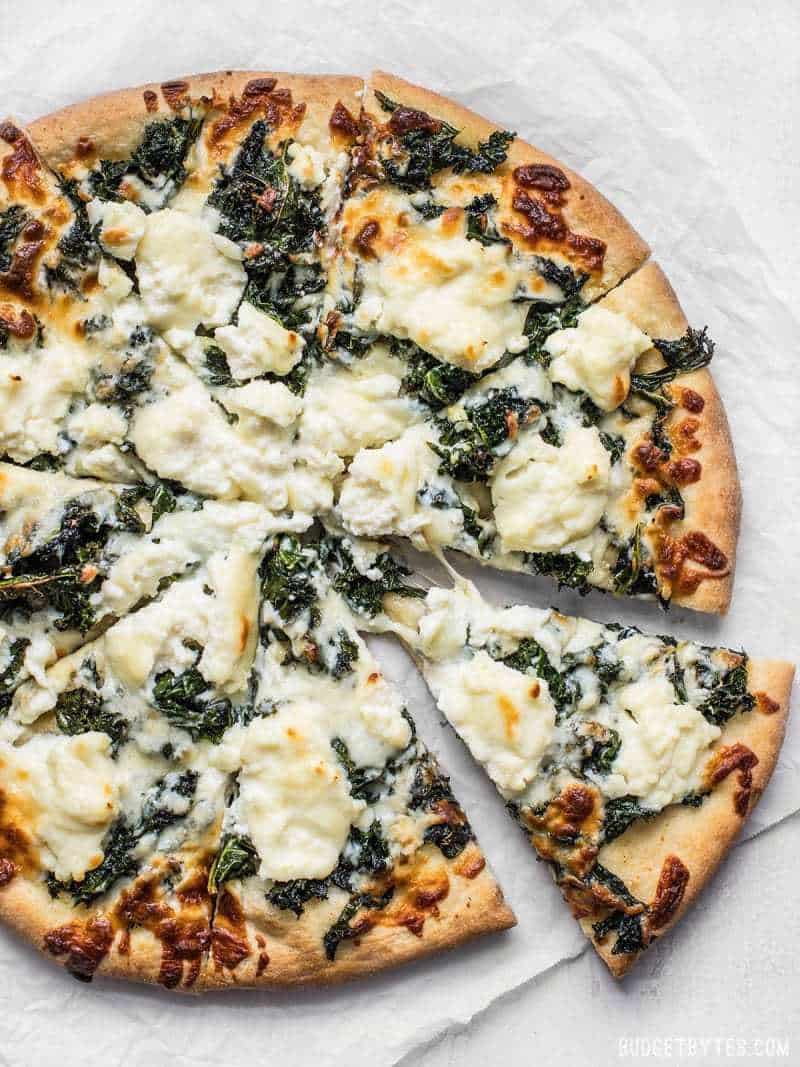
566 567
237 858
10 674
436 384
123 837
632 571
286 579
467 446
619 813
729 695
365 594
480 226
689 353
158 159
184 701
79 710
431 791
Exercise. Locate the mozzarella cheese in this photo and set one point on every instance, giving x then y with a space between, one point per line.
294 797
665 745
355 407
546 497
506 718
596 356
122 226
71 787
258 343
452 296
266 400
184 279
98 424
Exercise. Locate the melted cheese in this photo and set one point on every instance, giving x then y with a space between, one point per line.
596 356
307 165
294 797
546 497
452 296
258 344
664 745
72 785
506 718
122 226
266 400
184 279
350 408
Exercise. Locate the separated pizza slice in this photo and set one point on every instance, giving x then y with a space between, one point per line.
112 795
343 849
630 760
603 460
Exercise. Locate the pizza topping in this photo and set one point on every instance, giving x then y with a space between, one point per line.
670 891
258 343
736 757
122 226
21 165
343 122
596 356
175 93
150 100
83 944
692 400
547 179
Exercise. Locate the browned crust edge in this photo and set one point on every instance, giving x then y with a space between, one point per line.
713 504
586 210
113 121
700 837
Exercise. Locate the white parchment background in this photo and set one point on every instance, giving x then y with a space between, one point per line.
639 102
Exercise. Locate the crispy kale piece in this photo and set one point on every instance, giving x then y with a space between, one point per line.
12 221
184 701
286 579
341 655
689 353
126 386
728 695
237 858
428 145
123 837
530 657
431 791
79 710
467 447
342 930
446 499
58 572
158 159
217 370
619 813
365 594
628 928
262 206
603 753
436 384
567 568
480 226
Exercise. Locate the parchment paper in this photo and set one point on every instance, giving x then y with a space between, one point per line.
587 96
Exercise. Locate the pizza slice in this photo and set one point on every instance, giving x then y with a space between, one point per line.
112 801
629 759
343 849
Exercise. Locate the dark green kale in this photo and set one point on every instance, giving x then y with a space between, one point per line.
675 673
126 386
689 353
603 753
431 791
428 145
55 572
43 462
669 497
479 225
294 895
364 594
185 702
160 496
632 571
628 927
217 370
237 858
619 813
366 783
344 654
729 695
159 158
531 658
566 567
262 206
467 447
123 837
79 710
436 384
286 579
10 674
12 220
341 930
544 318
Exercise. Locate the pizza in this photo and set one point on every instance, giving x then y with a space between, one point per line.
257 331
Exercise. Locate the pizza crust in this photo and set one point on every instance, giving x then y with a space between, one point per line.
112 123
586 211
700 837
713 504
